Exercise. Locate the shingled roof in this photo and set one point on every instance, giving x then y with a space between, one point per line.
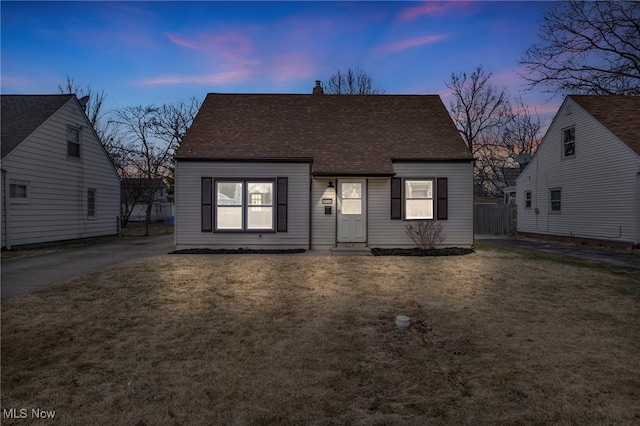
618 113
340 134
22 114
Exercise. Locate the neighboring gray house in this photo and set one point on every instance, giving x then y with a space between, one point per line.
584 181
321 171
57 180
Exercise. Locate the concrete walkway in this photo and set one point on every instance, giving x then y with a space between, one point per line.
30 274
614 258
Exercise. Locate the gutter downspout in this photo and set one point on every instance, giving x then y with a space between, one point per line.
310 210
638 209
7 211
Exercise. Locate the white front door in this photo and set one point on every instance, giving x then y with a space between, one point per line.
352 212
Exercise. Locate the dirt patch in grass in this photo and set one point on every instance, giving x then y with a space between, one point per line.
495 338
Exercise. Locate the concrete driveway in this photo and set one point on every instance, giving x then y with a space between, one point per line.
624 260
30 274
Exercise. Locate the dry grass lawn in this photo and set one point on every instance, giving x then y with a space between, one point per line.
496 337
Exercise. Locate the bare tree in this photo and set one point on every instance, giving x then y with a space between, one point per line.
171 125
146 157
93 107
353 82
495 165
586 47
147 139
478 107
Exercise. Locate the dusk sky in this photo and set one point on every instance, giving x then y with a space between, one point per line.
143 53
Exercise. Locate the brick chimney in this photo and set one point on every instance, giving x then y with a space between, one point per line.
318 90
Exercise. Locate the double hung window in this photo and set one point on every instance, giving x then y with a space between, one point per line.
244 205
527 199
418 199
569 142
73 142
555 200
91 203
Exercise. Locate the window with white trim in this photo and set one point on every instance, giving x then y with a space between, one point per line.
19 192
527 199
244 205
418 198
73 142
555 200
569 142
91 203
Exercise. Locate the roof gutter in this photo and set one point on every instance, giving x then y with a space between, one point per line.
432 160
342 174
248 160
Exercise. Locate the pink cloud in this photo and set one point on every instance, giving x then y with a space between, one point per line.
412 42
209 42
229 46
292 66
225 77
431 8
15 81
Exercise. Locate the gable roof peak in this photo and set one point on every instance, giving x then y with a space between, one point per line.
23 114
356 134
618 113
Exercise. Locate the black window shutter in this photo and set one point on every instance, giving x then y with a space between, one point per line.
443 201
207 205
281 209
396 198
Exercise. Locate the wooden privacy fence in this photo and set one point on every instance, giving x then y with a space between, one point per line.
494 219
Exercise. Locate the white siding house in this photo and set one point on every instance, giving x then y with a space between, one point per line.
57 180
321 171
584 181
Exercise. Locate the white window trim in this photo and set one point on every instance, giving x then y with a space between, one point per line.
244 207
25 200
530 199
405 198
551 211
562 144
79 129
95 204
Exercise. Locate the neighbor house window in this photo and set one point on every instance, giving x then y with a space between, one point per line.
244 205
418 199
527 199
91 203
555 197
569 142
19 192
73 142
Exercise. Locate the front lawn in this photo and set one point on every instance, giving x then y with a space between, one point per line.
496 337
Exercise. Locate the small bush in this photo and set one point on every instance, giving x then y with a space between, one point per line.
426 234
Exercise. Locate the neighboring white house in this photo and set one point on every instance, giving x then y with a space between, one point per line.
57 180
584 181
135 191
321 171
